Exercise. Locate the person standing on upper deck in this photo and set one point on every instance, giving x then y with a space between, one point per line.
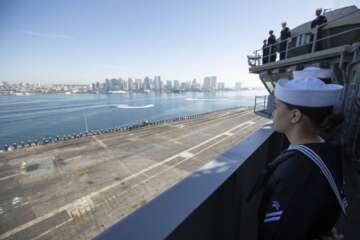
319 20
271 43
265 51
284 35
316 25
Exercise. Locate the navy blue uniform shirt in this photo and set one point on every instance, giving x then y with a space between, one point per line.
297 201
318 21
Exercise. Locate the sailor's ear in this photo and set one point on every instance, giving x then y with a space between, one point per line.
296 115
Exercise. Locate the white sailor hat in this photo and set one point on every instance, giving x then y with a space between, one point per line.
313 72
308 92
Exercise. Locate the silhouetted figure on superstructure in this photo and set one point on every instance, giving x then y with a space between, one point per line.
284 35
271 43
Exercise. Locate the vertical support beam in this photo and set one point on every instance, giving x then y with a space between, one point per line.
255 104
262 78
314 40
264 103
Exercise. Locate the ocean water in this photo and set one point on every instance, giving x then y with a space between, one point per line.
25 118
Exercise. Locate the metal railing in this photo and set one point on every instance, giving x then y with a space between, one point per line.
264 105
254 60
260 103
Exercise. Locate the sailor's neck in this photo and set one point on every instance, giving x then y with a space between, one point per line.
309 140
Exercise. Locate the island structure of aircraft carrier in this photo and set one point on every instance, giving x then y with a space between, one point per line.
78 188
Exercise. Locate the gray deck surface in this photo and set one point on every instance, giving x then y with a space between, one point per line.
78 188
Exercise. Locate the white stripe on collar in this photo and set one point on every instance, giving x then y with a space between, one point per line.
291 146
319 162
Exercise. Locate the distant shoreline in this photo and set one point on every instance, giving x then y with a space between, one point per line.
17 94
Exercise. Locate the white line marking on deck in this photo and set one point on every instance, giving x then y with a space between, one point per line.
229 134
101 143
23 167
10 176
52 229
186 155
178 163
173 166
174 141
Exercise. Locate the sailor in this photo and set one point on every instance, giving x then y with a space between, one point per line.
319 20
316 26
284 35
265 51
302 195
313 71
271 43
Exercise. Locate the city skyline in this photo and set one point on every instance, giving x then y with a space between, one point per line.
232 84
83 42
120 85
209 83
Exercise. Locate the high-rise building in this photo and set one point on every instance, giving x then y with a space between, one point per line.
147 83
176 85
193 84
107 85
138 84
168 85
213 83
209 83
115 84
183 86
157 83
130 86
120 84
206 84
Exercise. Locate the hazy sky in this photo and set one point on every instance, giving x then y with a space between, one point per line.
83 41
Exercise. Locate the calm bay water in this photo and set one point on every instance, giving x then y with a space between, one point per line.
25 118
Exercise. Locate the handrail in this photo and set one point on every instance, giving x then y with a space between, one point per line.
316 28
260 103
289 39
292 37
313 43
340 33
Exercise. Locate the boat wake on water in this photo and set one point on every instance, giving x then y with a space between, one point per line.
206 99
124 106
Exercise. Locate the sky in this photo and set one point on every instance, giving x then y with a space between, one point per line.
84 41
